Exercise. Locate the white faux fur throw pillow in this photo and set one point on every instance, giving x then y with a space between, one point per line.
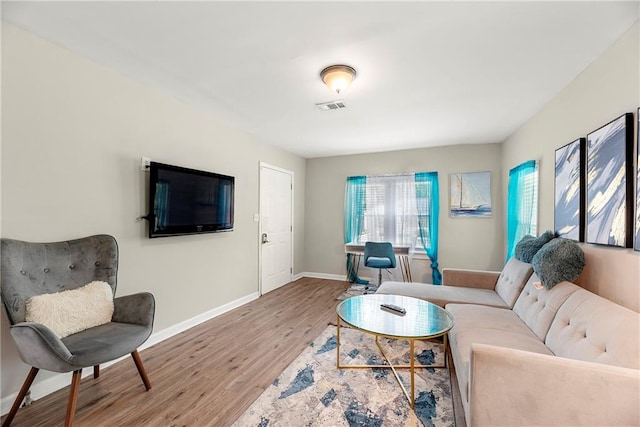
72 311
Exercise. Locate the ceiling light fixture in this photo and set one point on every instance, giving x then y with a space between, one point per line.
338 77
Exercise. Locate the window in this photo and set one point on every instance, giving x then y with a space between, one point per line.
522 204
394 208
390 212
530 202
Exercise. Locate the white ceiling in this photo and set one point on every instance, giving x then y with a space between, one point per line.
429 73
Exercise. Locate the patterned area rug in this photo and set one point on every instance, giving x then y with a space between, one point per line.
355 289
313 392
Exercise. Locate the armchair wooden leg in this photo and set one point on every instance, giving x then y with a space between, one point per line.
96 371
141 371
73 398
20 397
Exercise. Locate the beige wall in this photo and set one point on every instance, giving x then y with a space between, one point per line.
473 243
73 133
608 88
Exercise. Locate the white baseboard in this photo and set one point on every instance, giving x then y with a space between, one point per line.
59 381
190 323
342 278
323 276
55 383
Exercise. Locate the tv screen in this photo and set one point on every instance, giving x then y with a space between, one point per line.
188 201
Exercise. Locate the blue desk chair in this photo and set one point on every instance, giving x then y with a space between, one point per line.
379 255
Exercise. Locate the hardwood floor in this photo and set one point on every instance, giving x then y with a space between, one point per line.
208 375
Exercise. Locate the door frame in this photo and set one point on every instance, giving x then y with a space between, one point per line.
262 165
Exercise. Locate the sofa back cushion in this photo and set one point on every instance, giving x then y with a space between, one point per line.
538 307
512 279
591 328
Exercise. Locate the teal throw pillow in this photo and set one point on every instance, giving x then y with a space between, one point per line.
557 261
528 246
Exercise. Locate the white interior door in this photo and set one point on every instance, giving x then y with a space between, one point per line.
276 227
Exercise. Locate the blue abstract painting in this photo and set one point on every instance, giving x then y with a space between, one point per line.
470 194
636 245
568 191
607 184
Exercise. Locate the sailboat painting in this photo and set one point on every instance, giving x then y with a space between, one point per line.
470 194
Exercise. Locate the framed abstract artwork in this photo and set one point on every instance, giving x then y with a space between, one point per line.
609 181
636 245
569 191
470 194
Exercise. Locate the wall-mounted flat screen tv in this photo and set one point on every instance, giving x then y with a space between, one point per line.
188 201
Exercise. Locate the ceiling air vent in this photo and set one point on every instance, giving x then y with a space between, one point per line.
332 105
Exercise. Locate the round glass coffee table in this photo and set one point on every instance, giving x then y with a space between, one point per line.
422 321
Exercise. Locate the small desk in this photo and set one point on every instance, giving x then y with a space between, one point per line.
401 250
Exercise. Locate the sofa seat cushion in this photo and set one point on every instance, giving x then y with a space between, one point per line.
443 295
486 325
590 328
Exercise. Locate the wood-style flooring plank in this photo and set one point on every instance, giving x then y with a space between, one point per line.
206 376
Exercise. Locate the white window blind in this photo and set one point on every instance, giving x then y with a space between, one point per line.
391 214
530 202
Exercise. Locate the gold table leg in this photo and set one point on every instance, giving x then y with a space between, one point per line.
413 386
412 365
405 268
338 343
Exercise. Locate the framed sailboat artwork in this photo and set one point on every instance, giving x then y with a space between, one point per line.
470 194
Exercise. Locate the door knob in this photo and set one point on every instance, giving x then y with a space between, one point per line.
264 238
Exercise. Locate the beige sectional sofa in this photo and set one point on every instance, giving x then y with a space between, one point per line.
561 356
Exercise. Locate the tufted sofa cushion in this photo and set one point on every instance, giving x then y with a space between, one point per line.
590 328
537 307
512 279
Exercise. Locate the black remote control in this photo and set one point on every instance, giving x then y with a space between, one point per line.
394 309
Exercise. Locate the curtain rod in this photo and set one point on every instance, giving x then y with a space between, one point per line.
392 174
389 174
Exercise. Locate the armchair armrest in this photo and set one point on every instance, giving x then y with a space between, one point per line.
514 387
138 309
40 347
470 278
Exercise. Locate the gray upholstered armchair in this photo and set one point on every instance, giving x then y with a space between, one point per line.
30 269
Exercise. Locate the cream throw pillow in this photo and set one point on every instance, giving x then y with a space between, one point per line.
72 311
